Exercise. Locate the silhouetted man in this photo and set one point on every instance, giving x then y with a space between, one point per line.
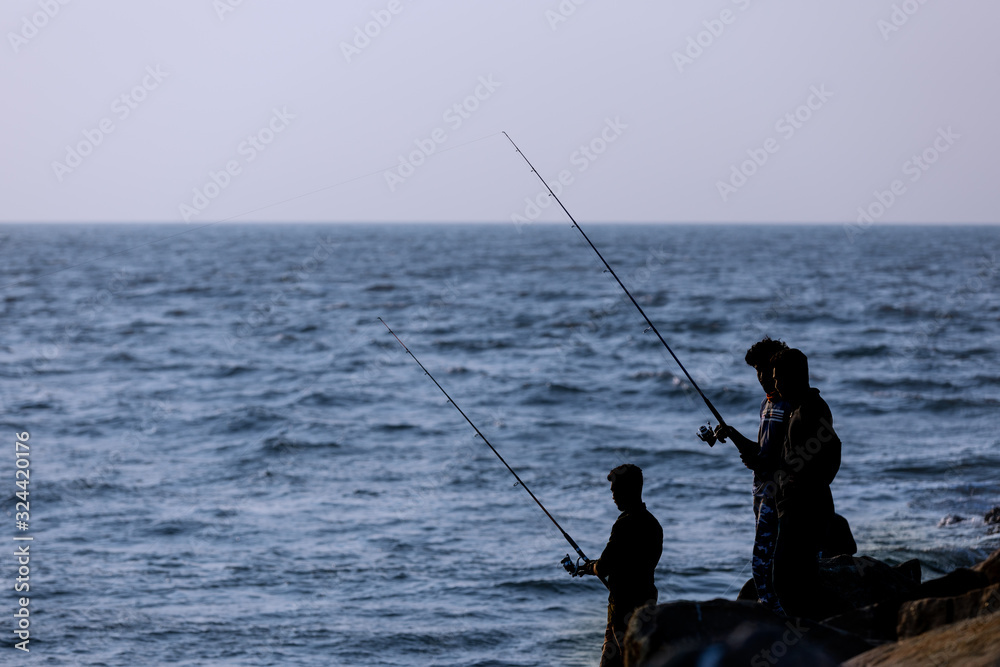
628 560
810 460
763 457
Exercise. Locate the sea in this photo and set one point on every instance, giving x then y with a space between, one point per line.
234 462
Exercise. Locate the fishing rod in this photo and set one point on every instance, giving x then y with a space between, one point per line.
704 432
566 562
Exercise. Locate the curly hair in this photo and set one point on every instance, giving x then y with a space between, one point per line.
760 354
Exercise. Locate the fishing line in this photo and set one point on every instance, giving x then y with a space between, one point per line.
652 326
520 482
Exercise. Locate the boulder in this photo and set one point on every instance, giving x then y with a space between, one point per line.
990 568
856 582
993 516
680 632
875 623
956 582
971 643
748 592
920 616
850 583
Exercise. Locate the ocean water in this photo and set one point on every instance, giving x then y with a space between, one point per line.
233 463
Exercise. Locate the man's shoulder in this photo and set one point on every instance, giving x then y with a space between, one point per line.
649 521
813 404
637 517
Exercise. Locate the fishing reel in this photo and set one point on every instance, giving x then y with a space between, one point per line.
573 568
706 434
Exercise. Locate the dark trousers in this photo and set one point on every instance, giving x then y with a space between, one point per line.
802 524
614 634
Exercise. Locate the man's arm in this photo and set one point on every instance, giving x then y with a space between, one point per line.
749 449
610 557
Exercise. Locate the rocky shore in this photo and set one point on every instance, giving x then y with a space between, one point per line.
881 615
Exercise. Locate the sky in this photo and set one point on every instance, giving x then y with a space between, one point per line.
856 112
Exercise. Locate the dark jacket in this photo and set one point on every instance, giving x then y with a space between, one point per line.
630 557
810 457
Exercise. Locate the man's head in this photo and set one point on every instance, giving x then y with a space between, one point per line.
791 374
759 357
626 486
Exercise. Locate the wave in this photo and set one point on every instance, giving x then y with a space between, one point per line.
232 371
902 384
863 352
285 444
472 345
395 427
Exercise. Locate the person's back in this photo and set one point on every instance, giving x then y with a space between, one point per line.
812 449
630 558
628 561
810 460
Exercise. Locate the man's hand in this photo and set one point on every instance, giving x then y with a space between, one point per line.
750 459
725 432
588 567
742 443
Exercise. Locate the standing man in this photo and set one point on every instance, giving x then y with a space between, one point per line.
810 459
628 560
763 457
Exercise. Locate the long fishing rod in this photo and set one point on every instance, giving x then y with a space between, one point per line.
705 434
566 562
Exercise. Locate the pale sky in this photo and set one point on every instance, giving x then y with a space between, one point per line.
200 111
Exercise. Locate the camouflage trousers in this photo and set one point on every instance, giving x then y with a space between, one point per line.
765 510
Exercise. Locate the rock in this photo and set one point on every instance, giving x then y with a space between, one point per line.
748 645
956 582
853 583
910 569
748 592
681 631
876 623
993 516
920 616
990 568
950 520
971 643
